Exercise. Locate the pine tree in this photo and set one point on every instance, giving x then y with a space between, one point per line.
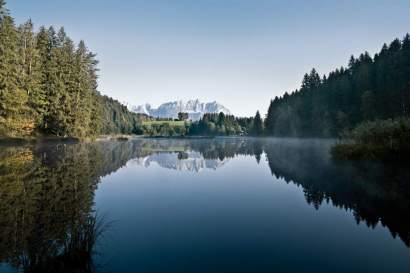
314 79
270 118
14 112
47 44
85 79
63 86
44 48
30 69
257 124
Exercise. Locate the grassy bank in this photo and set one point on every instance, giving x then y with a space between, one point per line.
167 122
42 139
165 128
54 139
380 139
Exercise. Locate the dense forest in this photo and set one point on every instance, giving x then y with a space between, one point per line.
221 124
48 86
368 89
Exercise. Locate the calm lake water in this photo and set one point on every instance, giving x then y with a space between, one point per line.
201 205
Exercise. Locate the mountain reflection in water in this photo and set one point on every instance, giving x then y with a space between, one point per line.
181 161
47 213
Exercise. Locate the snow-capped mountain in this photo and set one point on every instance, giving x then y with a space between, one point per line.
194 108
192 161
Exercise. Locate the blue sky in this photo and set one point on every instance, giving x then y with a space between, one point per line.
239 53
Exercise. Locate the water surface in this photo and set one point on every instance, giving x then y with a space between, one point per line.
201 205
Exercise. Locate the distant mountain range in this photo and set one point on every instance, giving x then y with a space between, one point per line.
184 161
194 108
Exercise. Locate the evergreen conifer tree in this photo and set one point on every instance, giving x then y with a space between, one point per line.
14 111
257 124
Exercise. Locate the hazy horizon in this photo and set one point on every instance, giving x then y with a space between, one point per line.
238 53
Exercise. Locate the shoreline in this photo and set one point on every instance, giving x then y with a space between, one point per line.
122 137
55 139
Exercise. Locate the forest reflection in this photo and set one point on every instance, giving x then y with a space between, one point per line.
47 217
46 206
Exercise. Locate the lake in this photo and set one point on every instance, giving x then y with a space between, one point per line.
200 205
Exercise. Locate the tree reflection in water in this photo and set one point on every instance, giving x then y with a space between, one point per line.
46 206
374 192
47 191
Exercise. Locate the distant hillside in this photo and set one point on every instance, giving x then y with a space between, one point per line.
194 108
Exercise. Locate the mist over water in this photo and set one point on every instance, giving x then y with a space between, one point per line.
200 205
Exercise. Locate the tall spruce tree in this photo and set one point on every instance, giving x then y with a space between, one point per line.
257 124
270 117
30 70
83 92
15 118
44 47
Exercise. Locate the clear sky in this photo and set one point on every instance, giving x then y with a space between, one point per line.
239 53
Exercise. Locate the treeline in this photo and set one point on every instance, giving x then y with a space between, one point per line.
221 124
115 118
165 128
48 85
368 89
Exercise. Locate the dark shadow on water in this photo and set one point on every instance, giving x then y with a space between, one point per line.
46 205
74 253
375 192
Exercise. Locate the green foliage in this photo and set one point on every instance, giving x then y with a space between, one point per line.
30 71
170 122
165 128
183 116
376 139
116 119
15 116
219 125
369 89
257 127
270 118
49 86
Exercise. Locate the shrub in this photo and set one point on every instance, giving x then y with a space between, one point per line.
378 139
